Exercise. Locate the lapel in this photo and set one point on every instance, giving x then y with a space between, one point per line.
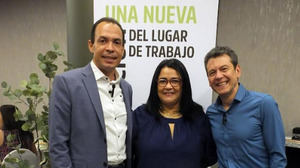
127 99
92 90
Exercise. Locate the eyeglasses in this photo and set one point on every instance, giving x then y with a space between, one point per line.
174 82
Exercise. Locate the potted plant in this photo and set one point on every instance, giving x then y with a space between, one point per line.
35 97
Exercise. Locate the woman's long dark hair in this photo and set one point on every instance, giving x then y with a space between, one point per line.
188 108
9 123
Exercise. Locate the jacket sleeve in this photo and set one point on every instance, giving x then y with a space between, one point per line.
59 124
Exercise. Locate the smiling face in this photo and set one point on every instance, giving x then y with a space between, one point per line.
169 94
108 47
222 76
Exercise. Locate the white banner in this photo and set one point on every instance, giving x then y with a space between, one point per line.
161 29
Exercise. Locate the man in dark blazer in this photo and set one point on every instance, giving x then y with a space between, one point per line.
90 123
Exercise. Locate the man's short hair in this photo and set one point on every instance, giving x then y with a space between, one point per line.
109 20
219 51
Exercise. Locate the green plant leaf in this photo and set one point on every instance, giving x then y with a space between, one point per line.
24 164
67 63
60 53
26 92
10 137
36 90
29 100
23 83
50 74
18 146
45 108
6 93
18 115
21 151
31 116
42 66
51 56
69 66
12 160
34 78
18 93
4 84
26 126
53 67
55 46
12 97
29 112
40 57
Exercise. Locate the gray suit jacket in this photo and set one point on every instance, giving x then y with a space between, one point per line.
77 135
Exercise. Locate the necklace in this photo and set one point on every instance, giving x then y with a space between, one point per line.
171 115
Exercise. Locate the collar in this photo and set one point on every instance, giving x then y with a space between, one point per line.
100 75
241 93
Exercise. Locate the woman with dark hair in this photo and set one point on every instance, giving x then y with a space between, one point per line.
171 130
8 125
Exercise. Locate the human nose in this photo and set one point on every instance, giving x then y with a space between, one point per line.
110 46
219 75
168 85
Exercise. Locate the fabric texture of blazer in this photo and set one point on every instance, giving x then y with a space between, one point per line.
77 135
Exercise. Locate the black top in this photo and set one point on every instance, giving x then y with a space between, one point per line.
192 145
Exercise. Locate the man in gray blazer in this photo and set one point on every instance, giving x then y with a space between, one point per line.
90 122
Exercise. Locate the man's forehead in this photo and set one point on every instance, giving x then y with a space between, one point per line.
217 63
104 31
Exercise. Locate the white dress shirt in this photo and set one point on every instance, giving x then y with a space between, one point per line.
115 115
